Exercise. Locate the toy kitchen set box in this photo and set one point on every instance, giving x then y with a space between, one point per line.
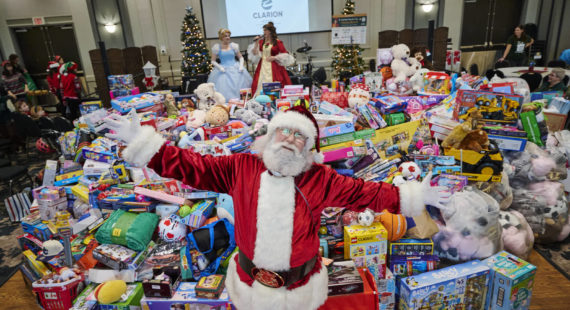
462 286
367 246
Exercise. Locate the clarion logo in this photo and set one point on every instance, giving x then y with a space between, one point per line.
266 4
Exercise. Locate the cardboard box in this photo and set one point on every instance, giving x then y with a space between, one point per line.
511 281
388 141
130 300
367 246
509 143
387 291
336 130
344 279
162 288
361 134
348 152
210 287
197 218
462 286
495 107
411 246
183 297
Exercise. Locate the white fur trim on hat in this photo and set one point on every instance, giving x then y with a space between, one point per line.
309 296
319 157
140 151
296 121
411 199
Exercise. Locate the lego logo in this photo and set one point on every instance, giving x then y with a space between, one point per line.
354 240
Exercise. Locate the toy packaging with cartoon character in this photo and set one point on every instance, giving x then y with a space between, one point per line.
462 286
512 280
367 246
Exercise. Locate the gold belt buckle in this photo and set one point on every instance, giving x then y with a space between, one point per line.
267 277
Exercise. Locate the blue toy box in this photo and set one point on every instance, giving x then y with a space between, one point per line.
462 286
512 279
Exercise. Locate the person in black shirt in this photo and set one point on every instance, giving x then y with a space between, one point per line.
516 45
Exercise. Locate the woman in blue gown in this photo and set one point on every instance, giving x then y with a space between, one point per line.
228 75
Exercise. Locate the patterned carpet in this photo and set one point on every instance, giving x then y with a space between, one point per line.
557 254
10 252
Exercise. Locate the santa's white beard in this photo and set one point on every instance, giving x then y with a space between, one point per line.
283 157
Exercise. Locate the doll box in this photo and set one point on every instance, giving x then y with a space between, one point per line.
462 286
509 143
511 282
183 298
367 246
411 246
210 287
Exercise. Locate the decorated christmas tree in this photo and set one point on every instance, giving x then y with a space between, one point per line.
347 59
195 54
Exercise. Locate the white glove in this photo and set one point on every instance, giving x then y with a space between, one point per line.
240 64
217 65
436 196
125 130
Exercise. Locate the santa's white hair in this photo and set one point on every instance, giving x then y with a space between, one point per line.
283 157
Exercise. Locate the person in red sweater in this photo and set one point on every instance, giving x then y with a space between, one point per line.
54 83
71 90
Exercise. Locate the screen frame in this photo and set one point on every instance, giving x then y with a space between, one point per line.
288 33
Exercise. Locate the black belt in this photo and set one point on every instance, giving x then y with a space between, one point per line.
275 279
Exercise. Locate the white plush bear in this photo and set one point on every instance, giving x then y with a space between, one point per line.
400 67
358 96
417 74
208 96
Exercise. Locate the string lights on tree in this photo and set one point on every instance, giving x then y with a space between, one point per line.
195 55
347 58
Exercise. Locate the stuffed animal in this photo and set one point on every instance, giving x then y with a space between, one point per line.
400 67
218 115
110 291
196 119
225 207
254 106
395 224
518 237
386 73
208 96
501 191
457 135
248 116
384 56
475 140
417 79
358 95
366 217
170 106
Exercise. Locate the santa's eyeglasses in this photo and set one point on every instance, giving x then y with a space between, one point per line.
286 132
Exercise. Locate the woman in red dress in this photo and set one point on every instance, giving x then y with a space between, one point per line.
274 57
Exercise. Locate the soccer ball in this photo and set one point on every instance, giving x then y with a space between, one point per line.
366 217
171 229
410 170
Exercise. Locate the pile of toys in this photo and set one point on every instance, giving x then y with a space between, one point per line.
105 233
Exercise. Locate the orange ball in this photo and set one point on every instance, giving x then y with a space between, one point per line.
395 224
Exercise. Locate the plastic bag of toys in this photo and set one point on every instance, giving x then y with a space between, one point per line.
518 237
501 191
469 227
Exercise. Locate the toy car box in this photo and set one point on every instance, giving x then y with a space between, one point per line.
495 107
511 282
185 296
462 286
367 246
410 246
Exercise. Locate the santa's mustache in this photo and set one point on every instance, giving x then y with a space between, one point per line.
287 146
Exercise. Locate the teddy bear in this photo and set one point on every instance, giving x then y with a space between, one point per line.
475 140
254 106
171 109
218 115
358 95
400 67
456 135
196 119
384 56
248 116
208 96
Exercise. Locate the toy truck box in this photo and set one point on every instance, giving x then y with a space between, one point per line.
495 107
462 286
511 282
367 246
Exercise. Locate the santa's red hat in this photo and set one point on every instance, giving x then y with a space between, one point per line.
299 118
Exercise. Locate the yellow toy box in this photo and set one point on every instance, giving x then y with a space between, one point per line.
367 246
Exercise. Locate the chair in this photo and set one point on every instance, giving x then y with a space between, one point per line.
533 79
320 76
557 64
12 174
62 124
491 73
474 69
26 128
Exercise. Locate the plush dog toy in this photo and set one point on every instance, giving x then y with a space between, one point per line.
517 234
208 96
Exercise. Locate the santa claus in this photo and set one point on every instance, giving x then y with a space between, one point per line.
278 195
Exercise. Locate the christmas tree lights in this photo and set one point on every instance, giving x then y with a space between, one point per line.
347 59
195 55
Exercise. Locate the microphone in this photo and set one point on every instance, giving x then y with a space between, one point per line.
257 38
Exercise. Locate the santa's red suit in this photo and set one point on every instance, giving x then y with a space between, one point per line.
276 218
278 71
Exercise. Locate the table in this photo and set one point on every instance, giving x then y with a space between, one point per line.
515 71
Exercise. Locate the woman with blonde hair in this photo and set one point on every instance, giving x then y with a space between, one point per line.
228 75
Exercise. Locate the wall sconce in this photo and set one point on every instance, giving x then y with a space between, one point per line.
427 7
111 28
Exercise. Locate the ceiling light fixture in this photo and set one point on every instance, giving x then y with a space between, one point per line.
111 28
427 7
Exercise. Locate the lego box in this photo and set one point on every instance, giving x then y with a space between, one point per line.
511 282
462 286
367 247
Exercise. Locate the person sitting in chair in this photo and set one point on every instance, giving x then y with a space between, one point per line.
554 81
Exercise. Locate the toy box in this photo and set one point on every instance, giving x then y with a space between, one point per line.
390 140
453 183
410 246
130 300
495 107
210 287
343 153
197 218
139 102
83 301
367 246
512 280
436 83
462 286
344 278
159 287
387 291
124 81
89 106
361 134
115 256
389 104
336 130
184 296
410 265
509 143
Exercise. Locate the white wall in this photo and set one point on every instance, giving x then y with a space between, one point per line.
15 9
453 19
